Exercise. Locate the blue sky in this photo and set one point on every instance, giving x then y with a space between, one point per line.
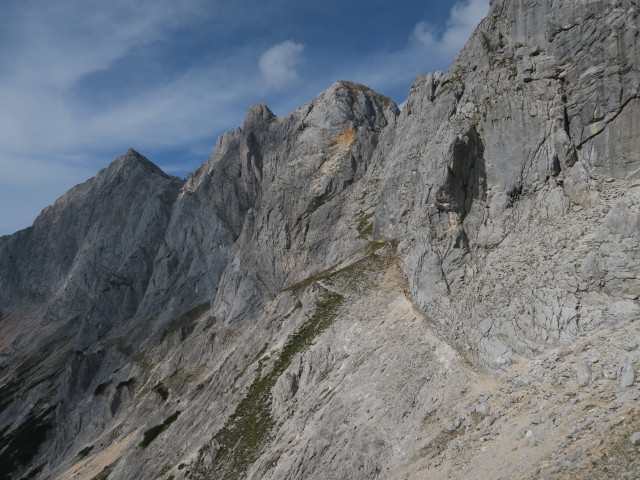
83 80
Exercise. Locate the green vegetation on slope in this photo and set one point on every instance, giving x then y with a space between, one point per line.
239 443
247 430
186 322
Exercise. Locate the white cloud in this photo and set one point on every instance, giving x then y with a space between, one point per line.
427 49
54 44
278 64
41 135
51 137
51 46
463 19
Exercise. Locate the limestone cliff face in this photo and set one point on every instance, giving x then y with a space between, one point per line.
494 159
86 262
351 291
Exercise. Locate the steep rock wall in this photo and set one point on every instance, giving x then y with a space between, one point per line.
494 158
322 296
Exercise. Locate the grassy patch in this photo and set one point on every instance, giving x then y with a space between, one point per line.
299 287
228 335
441 442
365 225
357 277
617 458
143 363
239 443
163 471
125 349
151 434
255 358
186 323
247 430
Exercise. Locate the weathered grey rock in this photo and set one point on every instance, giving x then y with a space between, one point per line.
303 219
483 408
98 241
492 155
584 374
325 295
627 376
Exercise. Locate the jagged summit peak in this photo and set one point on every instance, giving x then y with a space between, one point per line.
131 160
340 92
260 109
355 89
258 113
348 102
340 84
132 152
133 155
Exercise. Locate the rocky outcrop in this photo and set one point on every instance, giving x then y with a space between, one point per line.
490 164
87 259
297 227
354 291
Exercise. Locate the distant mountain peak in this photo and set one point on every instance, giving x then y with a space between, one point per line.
132 159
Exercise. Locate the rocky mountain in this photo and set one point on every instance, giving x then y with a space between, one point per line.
353 291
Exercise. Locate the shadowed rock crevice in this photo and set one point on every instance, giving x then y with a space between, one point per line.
466 179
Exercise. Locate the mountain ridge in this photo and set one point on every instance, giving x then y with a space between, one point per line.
351 290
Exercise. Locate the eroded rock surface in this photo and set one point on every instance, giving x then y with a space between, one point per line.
354 291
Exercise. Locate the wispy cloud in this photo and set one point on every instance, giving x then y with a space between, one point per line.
428 48
51 139
74 94
278 64
48 146
56 43
54 46
463 19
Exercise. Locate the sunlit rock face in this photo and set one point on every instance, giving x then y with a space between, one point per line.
352 291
